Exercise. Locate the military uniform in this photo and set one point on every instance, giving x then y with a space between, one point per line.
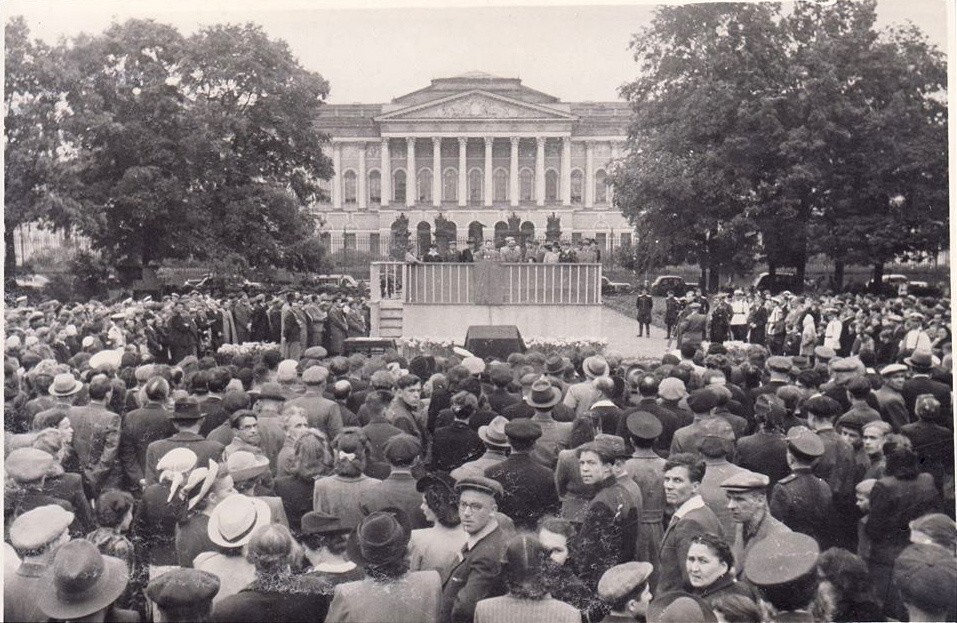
780 563
802 502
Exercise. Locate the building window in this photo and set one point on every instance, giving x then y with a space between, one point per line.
450 185
576 186
349 242
398 186
601 187
576 237
375 187
374 245
526 185
425 186
475 186
349 187
602 241
551 185
500 181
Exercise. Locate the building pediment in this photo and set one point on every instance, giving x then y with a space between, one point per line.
479 106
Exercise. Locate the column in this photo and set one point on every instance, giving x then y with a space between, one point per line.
513 190
566 170
463 173
363 199
488 171
615 155
410 172
540 171
589 174
385 173
436 171
336 176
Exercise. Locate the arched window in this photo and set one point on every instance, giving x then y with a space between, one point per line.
577 186
349 187
551 185
601 187
476 232
398 186
500 185
423 237
450 185
375 187
425 186
526 185
475 186
501 231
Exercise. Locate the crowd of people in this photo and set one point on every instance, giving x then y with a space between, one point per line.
154 474
584 251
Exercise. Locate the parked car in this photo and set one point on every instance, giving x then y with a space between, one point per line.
342 281
778 282
922 288
893 284
671 283
614 287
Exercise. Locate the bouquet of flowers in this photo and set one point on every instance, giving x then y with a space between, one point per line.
563 345
247 348
410 347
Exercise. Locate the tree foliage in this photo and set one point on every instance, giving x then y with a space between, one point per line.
758 132
195 146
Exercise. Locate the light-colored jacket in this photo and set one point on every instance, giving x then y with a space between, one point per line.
413 598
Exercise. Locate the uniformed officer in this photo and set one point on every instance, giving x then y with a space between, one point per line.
625 588
784 569
748 503
802 501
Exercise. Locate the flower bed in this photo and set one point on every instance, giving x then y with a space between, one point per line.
412 346
247 348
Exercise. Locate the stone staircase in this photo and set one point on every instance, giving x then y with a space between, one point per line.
390 319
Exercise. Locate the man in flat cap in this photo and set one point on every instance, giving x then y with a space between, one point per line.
398 490
802 501
890 401
624 588
35 535
926 576
784 570
477 573
529 487
748 503
321 413
183 595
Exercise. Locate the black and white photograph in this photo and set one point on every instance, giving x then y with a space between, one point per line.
465 311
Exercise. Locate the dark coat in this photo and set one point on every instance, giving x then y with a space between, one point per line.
204 449
296 495
298 599
212 408
454 445
192 539
500 399
477 576
674 546
140 428
643 305
895 503
608 533
154 526
934 446
398 491
765 453
918 385
802 501
529 489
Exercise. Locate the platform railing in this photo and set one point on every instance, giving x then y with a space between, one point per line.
486 283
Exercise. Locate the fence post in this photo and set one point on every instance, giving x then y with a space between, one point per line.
375 283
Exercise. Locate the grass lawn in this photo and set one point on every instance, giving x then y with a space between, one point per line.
625 303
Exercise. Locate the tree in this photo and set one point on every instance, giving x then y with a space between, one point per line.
694 141
194 147
36 179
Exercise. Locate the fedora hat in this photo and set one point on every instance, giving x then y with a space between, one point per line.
554 365
235 519
380 538
318 522
919 360
80 581
186 409
543 394
494 432
65 385
243 465
595 366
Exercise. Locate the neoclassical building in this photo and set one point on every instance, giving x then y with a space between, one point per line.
484 152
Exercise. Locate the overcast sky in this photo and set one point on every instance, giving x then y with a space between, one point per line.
371 55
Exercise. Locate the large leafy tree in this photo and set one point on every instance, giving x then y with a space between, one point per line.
686 183
35 168
201 146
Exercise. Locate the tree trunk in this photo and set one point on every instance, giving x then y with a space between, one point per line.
10 259
703 279
838 276
878 277
772 268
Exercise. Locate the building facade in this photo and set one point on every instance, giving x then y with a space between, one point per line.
483 155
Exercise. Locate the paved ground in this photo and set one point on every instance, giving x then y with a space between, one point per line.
621 331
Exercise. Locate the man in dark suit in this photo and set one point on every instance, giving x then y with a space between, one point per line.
398 490
836 468
477 573
457 444
96 437
691 517
499 398
211 404
187 419
921 363
529 487
143 426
